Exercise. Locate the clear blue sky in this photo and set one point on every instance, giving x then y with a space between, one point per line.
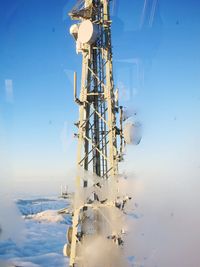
157 69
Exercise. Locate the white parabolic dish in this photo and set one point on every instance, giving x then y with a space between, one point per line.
132 132
87 32
73 29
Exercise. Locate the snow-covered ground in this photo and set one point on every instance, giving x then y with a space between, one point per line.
43 237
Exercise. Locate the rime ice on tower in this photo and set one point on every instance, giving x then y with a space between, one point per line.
98 206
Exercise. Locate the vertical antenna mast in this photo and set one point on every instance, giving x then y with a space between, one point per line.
98 133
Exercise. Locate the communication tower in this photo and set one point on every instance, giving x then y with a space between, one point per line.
100 139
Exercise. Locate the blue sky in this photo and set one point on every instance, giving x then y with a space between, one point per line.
157 69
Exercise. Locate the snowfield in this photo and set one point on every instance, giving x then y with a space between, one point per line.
43 238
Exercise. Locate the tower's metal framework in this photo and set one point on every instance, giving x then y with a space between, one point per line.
98 134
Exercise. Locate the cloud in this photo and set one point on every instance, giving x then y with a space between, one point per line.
11 223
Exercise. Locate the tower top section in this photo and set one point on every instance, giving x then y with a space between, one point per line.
84 9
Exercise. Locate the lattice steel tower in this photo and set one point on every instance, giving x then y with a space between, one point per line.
98 134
